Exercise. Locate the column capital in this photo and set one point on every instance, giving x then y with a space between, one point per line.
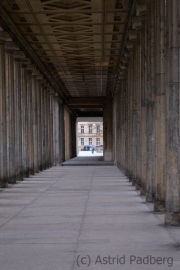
25 62
4 37
51 91
19 56
10 47
44 83
35 72
40 78
60 101
30 67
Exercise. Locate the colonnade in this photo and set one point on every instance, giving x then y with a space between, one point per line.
31 117
37 129
147 114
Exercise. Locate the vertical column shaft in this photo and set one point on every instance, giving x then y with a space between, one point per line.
61 132
24 114
3 130
150 116
160 107
18 118
173 116
10 116
107 125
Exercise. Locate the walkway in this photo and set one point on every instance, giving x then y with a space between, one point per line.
50 219
87 161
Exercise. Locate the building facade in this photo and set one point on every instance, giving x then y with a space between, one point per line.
90 133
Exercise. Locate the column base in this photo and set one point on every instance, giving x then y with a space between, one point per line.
142 192
40 168
138 186
21 175
108 155
36 170
26 173
3 184
31 171
172 219
159 206
12 180
149 198
126 173
133 182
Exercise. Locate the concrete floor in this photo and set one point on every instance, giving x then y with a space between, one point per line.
64 213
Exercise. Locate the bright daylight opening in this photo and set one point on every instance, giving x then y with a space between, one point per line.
90 136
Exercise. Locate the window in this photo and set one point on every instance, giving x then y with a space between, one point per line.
82 129
90 141
90 128
97 141
82 141
98 129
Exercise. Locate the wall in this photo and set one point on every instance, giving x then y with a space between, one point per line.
86 135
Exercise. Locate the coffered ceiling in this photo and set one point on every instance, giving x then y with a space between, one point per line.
77 42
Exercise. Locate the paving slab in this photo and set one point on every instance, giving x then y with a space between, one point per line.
87 161
83 217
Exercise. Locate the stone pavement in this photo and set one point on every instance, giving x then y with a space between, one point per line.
90 213
87 161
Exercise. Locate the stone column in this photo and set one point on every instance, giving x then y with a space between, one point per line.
43 108
150 113
3 128
137 114
61 132
10 117
130 120
115 129
57 123
39 79
126 125
143 107
29 69
134 116
73 135
24 115
108 132
173 114
160 109
18 115
49 126
123 102
35 120
53 127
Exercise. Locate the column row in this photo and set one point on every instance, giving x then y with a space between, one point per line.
31 117
147 109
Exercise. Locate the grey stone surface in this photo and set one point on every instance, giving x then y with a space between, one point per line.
50 219
87 161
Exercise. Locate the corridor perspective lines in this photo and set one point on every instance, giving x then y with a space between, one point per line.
81 217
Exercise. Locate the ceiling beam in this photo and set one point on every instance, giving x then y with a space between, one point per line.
84 101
